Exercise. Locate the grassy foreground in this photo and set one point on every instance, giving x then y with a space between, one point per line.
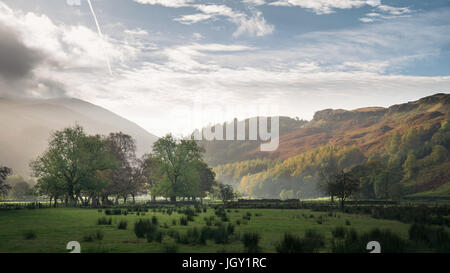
54 228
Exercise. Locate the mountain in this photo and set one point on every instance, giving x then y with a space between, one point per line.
345 139
26 125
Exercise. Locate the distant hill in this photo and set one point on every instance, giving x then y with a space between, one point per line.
26 125
356 136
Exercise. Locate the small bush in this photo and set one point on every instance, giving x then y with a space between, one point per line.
338 232
122 224
313 241
251 242
183 221
97 235
156 236
30 235
143 227
154 220
104 221
220 235
347 222
290 244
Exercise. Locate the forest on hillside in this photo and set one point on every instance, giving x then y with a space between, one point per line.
412 161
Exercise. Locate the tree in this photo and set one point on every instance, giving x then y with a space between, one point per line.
4 173
410 166
207 178
150 174
286 194
387 184
176 160
21 189
124 179
343 186
225 192
72 163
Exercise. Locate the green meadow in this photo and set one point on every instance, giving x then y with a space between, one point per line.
53 228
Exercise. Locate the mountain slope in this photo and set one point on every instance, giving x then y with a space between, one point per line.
347 138
26 125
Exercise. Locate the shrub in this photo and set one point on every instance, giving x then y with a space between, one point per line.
290 244
338 232
104 221
156 236
116 211
230 229
170 247
355 243
30 235
173 234
122 224
154 220
97 235
313 241
434 238
347 222
183 221
143 227
108 212
220 235
251 241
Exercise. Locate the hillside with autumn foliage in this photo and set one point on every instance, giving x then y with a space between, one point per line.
399 151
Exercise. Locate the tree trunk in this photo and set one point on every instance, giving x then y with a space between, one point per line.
134 199
173 199
153 198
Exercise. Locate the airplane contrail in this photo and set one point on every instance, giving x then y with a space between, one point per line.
100 34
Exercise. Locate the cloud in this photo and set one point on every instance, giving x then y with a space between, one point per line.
137 31
252 25
254 2
385 12
322 6
158 88
193 18
16 59
166 3
36 53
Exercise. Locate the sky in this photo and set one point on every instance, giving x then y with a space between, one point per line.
176 65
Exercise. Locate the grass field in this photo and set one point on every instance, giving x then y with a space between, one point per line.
54 228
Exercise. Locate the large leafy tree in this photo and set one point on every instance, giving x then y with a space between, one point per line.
72 163
4 173
342 186
150 174
125 177
177 162
207 177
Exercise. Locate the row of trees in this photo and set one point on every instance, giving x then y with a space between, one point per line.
79 168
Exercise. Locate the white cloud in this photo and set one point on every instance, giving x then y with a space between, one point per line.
252 25
166 3
137 31
254 2
394 10
193 18
322 6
